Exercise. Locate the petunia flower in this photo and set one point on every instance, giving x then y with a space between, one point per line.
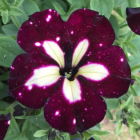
69 65
133 19
4 124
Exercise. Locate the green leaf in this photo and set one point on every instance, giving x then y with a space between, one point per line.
75 136
123 8
104 7
4 76
118 129
5 16
133 4
66 136
117 117
115 25
40 133
131 131
135 68
4 91
129 102
10 29
58 138
74 6
87 134
118 3
108 114
132 90
14 126
39 121
98 132
132 123
48 4
17 3
83 3
9 49
59 9
112 103
3 104
1 85
11 137
5 4
124 30
133 49
2 8
30 7
97 138
14 11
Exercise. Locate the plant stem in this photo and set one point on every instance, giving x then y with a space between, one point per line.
17 24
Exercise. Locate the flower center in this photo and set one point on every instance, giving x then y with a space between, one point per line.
68 73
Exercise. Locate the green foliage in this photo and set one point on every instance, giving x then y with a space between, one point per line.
9 49
4 15
104 7
14 11
32 125
40 133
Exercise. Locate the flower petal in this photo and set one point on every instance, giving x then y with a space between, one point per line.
119 78
41 26
91 109
69 116
133 19
48 26
79 52
26 68
44 76
86 24
59 112
4 124
93 71
72 90
54 51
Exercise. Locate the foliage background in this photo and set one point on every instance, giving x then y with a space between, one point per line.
123 114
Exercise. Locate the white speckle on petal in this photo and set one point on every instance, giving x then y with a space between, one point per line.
57 38
8 122
30 87
74 121
72 32
31 23
57 113
121 59
100 44
37 44
48 18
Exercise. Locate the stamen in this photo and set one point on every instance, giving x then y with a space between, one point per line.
68 75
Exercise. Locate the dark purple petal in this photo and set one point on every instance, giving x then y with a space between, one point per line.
21 70
59 113
91 109
82 24
86 23
133 19
41 26
117 82
78 115
132 11
4 124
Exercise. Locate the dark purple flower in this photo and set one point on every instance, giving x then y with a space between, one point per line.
70 63
4 124
133 19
